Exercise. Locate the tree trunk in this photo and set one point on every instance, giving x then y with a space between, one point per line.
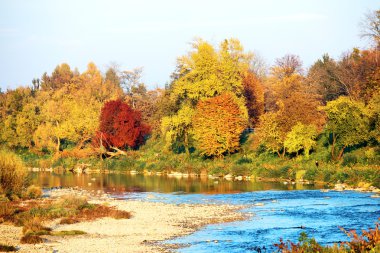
81 142
117 153
58 145
333 147
187 144
341 153
307 151
283 153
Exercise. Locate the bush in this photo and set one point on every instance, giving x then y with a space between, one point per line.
349 160
33 192
12 173
311 174
7 248
368 241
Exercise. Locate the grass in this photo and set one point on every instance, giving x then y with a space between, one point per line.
33 214
68 233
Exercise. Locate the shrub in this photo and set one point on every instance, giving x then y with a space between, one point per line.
6 210
369 241
31 239
7 248
311 174
33 192
12 173
349 160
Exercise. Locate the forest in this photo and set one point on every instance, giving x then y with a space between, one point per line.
224 111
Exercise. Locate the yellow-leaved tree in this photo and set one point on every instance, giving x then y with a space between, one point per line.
205 73
301 137
218 123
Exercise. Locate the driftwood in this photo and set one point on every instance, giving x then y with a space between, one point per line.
117 153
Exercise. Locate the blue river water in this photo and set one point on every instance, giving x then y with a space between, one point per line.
274 215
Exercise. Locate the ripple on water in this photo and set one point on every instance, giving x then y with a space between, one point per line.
282 215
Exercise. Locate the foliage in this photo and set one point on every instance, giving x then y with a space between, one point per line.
254 95
218 123
33 192
178 128
206 72
369 241
120 126
269 133
347 123
12 173
374 112
301 137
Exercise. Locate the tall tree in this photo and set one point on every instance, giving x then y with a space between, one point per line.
218 124
254 95
205 73
371 27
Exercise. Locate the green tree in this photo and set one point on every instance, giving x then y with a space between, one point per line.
347 123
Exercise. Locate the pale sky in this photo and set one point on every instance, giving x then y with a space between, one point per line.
37 35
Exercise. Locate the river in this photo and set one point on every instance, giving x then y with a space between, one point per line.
276 210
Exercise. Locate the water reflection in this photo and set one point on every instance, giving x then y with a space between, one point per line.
118 183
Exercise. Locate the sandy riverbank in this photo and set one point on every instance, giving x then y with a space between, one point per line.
150 223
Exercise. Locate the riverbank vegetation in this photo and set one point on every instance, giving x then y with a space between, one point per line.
223 112
367 241
34 215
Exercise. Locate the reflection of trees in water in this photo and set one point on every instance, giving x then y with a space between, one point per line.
141 183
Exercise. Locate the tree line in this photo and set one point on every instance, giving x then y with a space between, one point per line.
218 96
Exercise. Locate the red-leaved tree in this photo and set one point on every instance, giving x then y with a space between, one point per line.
120 126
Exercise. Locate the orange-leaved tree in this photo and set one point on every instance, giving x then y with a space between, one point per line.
121 126
217 125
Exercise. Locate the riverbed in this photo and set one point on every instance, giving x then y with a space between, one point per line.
274 210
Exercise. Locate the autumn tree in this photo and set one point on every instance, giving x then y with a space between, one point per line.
289 102
61 75
371 27
177 129
120 126
206 72
347 123
269 133
18 119
323 79
356 75
69 114
374 112
286 66
218 123
254 95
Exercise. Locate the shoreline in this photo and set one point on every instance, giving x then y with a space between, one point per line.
361 187
151 224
